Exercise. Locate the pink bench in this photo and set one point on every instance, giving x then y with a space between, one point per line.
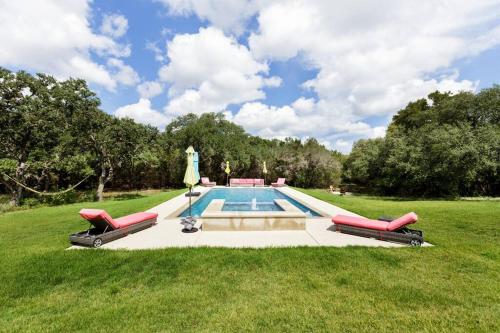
246 182
259 182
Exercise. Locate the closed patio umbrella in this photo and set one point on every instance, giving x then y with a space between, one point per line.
190 179
227 171
196 159
264 171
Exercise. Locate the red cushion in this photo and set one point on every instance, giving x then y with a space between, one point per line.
402 221
242 181
359 222
98 215
102 215
134 218
362 222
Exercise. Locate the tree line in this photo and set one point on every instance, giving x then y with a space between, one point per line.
443 145
53 134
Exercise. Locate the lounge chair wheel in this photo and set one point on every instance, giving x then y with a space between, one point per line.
97 242
415 242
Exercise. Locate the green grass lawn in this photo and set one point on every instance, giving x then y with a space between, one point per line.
451 287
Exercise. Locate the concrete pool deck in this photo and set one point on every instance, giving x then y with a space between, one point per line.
167 232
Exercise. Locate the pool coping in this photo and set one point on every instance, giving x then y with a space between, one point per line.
301 201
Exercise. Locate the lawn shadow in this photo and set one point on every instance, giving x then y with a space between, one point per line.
128 196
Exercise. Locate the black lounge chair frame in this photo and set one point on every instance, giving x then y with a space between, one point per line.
95 236
403 235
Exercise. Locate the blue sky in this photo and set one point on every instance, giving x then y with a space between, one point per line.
333 70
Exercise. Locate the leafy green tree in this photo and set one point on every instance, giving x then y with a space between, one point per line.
446 145
363 165
41 120
32 128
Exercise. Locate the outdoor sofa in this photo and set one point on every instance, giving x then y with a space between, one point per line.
103 228
386 229
205 181
246 182
279 183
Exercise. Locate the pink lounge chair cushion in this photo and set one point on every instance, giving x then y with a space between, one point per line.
135 218
99 214
279 182
258 181
243 181
206 181
402 221
359 222
362 222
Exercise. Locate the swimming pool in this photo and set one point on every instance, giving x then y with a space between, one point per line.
245 199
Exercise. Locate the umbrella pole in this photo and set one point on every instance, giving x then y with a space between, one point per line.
190 193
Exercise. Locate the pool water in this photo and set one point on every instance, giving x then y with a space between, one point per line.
245 199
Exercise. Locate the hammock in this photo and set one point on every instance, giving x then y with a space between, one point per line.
44 193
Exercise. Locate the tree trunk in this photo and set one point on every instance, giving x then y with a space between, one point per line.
100 189
102 181
11 188
12 201
105 177
17 195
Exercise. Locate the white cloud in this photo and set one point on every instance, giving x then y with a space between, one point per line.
114 25
149 89
273 81
229 15
269 121
191 101
123 73
304 105
158 52
142 113
318 121
196 57
55 37
374 57
209 70
343 146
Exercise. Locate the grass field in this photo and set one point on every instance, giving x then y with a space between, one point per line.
451 287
